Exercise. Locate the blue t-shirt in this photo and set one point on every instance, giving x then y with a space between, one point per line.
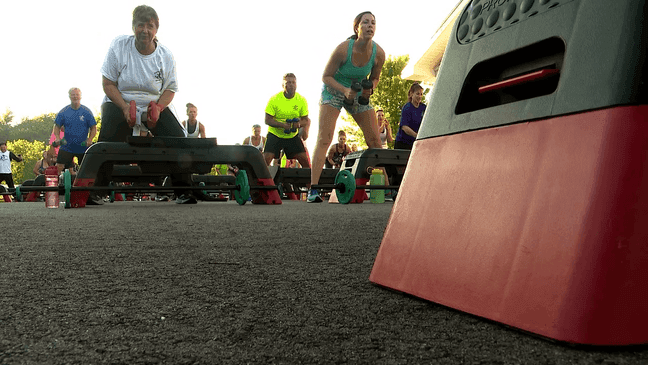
411 117
77 123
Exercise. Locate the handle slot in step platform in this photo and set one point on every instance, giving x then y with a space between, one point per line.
523 74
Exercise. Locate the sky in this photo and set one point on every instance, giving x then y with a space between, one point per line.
230 55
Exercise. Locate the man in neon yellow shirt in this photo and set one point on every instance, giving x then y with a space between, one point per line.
282 133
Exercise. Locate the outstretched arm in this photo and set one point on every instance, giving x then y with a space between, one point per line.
17 158
91 135
305 127
390 137
37 167
337 59
374 76
112 92
165 99
330 154
409 131
272 122
57 133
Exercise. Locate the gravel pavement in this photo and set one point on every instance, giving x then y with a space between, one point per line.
219 283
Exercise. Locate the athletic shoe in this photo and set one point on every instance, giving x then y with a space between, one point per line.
186 199
391 194
94 199
162 198
313 196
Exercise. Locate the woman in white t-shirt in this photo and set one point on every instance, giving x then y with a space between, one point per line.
138 68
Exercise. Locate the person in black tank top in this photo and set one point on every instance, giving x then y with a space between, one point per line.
337 152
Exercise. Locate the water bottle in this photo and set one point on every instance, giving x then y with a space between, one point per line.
377 178
51 179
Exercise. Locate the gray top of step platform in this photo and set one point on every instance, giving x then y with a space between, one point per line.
594 51
172 142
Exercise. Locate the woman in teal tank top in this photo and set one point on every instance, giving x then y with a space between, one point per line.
355 59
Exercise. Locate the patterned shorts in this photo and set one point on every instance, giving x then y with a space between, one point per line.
335 99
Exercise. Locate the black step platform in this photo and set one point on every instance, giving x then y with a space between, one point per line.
162 156
394 162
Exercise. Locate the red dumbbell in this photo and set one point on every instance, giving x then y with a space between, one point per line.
133 113
153 114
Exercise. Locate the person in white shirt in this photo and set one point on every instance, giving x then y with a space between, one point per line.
194 128
5 164
139 69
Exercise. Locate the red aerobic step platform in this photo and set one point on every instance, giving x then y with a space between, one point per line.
525 198
542 226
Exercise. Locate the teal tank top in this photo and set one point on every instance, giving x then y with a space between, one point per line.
347 73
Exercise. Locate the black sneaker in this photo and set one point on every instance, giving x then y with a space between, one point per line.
94 199
162 198
186 199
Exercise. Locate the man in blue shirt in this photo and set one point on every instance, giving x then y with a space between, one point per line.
80 128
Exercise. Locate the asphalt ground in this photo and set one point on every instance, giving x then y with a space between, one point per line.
219 283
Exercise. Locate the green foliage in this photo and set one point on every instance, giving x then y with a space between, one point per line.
98 119
34 129
31 152
6 118
353 132
5 126
390 95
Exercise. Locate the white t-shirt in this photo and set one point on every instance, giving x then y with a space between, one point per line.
139 77
5 162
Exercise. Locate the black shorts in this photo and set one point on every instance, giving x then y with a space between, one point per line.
8 178
66 158
290 146
398 145
115 129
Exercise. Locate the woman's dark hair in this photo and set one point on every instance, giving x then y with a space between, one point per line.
414 88
144 13
356 22
341 133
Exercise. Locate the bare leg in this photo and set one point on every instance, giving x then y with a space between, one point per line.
268 157
369 125
302 158
327 117
367 120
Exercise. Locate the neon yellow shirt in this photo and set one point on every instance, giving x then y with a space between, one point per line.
282 109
